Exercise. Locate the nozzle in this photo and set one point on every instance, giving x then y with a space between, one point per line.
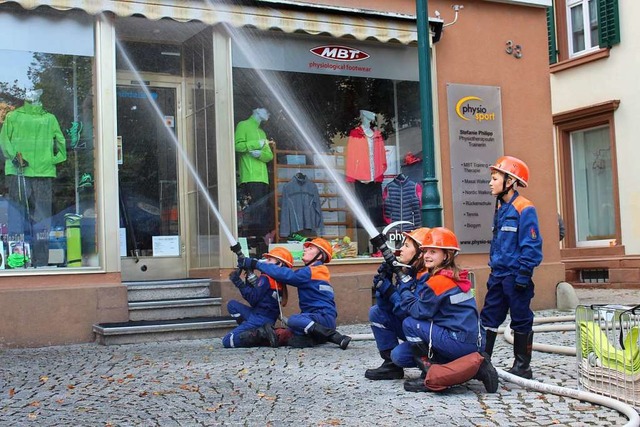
380 242
251 277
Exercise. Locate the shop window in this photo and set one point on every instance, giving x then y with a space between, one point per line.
303 133
581 27
589 174
47 207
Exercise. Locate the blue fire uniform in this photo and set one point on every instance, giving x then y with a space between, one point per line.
516 249
444 315
386 316
263 309
315 294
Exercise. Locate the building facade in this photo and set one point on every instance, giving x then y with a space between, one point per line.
173 132
594 127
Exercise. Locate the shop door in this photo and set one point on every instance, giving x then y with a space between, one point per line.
148 184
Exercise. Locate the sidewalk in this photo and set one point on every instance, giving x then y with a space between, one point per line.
198 383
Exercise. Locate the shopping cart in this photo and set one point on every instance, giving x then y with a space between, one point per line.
607 351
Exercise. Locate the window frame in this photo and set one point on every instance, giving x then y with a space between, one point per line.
558 29
580 120
589 45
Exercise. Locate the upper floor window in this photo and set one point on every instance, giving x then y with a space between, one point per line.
581 28
583 25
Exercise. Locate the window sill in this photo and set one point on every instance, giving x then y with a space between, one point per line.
579 60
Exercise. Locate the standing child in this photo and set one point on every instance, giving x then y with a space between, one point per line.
443 328
386 318
256 321
316 322
516 249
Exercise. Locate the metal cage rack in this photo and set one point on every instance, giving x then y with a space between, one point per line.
607 351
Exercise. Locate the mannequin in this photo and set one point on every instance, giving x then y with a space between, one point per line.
254 152
366 163
33 144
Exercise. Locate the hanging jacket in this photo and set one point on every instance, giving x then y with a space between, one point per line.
447 303
402 200
247 138
315 293
357 162
516 247
36 134
300 207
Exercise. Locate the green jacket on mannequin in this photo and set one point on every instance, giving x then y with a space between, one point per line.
36 134
251 141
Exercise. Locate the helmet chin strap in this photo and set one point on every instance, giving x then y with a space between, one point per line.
505 189
318 256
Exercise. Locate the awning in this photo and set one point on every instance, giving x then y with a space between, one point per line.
263 18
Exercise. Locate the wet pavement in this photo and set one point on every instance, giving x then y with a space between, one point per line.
198 383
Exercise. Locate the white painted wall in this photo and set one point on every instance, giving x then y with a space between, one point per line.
615 77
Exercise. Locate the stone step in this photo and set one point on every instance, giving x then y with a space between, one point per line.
134 332
158 290
174 309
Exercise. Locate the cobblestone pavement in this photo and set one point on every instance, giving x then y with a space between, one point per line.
198 383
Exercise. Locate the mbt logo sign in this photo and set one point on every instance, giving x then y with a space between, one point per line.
393 233
339 53
471 107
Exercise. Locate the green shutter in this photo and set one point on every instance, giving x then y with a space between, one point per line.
551 36
608 23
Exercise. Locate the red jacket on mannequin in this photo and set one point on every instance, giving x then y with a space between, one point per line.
357 157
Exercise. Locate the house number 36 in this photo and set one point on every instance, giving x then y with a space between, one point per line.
514 49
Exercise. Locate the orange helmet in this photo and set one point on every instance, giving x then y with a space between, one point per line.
281 254
441 238
514 167
417 235
323 245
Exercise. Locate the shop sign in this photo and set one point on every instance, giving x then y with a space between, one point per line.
475 139
320 55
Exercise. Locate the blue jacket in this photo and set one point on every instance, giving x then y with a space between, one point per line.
402 202
315 293
447 303
262 297
393 304
516 247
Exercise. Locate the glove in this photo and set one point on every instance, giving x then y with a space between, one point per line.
385 270
235 278
522 282
383 286
19 162
247 264
255 153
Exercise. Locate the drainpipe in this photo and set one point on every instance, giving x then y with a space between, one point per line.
431 209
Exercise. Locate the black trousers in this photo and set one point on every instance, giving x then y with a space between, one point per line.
370 196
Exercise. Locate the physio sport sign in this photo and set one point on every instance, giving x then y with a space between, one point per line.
475 137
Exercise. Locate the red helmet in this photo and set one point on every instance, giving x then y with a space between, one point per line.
323 245
417 235
514 167
441 238
281 254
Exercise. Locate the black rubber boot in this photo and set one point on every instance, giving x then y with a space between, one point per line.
491 341
488 374
416 385
262 336
420 356
323 333
387 371
522 348
301 341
